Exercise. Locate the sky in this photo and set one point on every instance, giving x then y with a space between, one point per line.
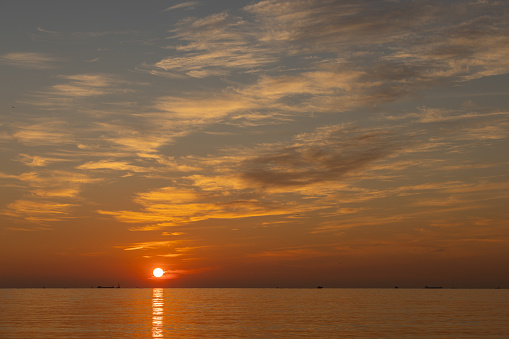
254 143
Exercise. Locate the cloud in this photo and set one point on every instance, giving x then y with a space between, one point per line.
220 183
269 100
325 155
185 5
75 88
363 26
42 132
49 183
488 132
276 62
394 57
172 206
297 58
30 60
242 183
312 173
111 165
40 29
37 161
75 38
214 46
38 211
150 245
204 108
134 140
320 22
56 183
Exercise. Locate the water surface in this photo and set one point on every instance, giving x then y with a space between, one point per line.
253 313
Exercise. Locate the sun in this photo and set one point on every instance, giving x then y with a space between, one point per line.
158 272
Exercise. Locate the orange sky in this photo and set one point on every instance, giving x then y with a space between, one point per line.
254 143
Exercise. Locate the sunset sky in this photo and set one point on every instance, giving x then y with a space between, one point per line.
291 143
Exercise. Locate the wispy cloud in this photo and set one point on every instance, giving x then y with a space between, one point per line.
42 132
215 46
38 211
31 60
270 99
324 156
55 183
184 5
37 161
77 37
204 108
170 206
111 165
76 87
391 58
150 245
40 29
313 159
311 173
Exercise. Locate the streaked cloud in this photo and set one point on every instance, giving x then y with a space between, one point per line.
38 211
150 245
185 5
215 46
43 132
406 65
324 156
203 108
37 161
111 165
170 206
75 88
55 183
31 60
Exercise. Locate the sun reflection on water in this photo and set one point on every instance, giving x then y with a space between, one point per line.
157 312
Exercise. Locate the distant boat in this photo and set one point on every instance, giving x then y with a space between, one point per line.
434 287
118 286
319 286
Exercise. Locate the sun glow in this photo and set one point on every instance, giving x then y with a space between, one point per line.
158 272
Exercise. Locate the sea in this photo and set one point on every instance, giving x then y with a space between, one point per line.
254 313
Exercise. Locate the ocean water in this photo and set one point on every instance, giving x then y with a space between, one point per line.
254 313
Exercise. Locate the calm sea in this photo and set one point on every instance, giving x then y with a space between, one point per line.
253 313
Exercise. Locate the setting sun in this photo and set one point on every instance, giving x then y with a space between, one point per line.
158 272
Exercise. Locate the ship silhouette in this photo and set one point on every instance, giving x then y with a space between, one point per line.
118 286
